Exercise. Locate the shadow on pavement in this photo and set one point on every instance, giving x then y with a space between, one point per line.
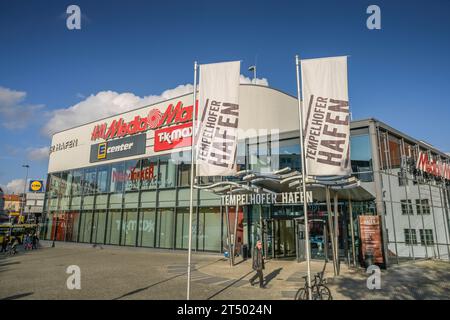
228 286
159 282
18 296
408 282
272 276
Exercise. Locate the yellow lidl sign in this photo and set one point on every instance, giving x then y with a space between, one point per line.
36 185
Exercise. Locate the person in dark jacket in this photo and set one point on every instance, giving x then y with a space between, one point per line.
258 264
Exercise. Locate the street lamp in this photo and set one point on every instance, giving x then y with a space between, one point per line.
24 188
253 68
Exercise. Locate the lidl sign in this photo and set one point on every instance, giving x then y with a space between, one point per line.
36 185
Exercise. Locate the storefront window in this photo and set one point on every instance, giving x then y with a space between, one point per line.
361 157
165 228
149 175
182 235
54 184
85 226
77 176
118 177
184 174
167 172
132 172
113 227
147 228
72 221
66 181
129 227
98 229
90 181
103 174
209 229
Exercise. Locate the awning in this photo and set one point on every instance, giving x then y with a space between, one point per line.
287 180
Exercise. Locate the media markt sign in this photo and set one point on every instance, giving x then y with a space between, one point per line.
266 198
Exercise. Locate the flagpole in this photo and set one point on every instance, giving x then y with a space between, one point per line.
191 198
303 161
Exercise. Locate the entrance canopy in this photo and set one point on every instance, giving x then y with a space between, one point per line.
287 180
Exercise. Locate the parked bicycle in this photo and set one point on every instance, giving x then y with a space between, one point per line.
319 291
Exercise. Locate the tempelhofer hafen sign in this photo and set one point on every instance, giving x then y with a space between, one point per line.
266 198
433 167
326 116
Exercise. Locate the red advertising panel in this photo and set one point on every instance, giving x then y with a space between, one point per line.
240 226
173 137
370 230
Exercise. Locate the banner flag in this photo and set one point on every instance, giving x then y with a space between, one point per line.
216 133
326 116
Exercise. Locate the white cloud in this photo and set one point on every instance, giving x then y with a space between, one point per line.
105 104
260 81
14 113
38 154
108 103
14 186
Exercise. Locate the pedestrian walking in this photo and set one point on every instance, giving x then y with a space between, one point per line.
35 241
5 243
258 264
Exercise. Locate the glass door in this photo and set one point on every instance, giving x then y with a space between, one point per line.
284 238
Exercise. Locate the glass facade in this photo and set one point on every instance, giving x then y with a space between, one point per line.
145 202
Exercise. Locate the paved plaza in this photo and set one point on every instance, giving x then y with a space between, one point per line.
138 273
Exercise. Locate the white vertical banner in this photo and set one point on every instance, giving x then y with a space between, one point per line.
216 141
326 116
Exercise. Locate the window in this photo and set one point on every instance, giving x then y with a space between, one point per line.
285 154
184 174
182 235
402 178
129 227
209 236
410 236
167 172
361 157
406 207
103 174
77 176
66 181
118 177
147 228
426 237
394 152
422 208
113 228
132 175
85 226
90 181
165 228
149 174
98 228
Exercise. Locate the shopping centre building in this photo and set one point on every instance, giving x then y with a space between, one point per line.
124 180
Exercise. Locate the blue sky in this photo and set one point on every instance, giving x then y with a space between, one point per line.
399 74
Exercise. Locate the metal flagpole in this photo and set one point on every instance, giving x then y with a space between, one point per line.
235 230
303 161
331 228
336 232
227 212
191 198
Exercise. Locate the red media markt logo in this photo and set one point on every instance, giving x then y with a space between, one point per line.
155 119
